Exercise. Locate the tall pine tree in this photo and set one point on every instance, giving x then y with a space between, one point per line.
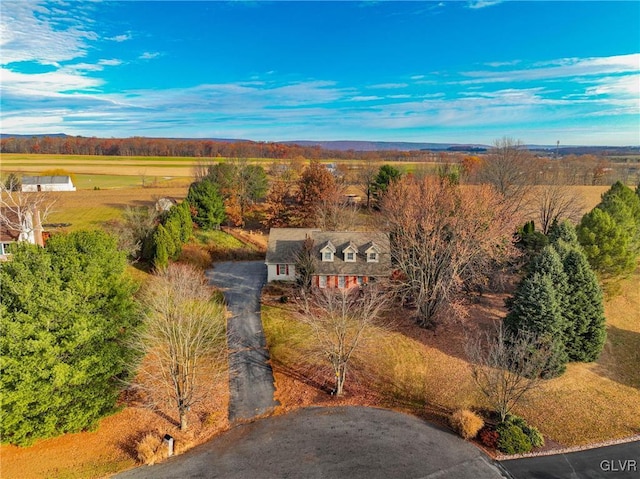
535 308
585 333
66 316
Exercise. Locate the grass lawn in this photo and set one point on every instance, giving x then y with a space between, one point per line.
91 208
426 373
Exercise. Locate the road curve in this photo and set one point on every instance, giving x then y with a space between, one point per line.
339 442
620 461
251 381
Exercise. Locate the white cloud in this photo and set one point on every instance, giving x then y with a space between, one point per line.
561 68
32 32
44 84
112 62
477 4
120 38
149 55
389 86
365 98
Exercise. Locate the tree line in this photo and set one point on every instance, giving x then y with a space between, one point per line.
141 146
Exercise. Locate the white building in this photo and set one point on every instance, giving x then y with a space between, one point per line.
47 183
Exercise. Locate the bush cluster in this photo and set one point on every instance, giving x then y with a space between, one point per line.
466 423
512 440
517 437
489 437
149 450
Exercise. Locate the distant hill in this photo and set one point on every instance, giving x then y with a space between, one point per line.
344 145
354 145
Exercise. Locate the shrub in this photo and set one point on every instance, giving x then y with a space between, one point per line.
512 439
149 450
533 433
466 423
489 437
196 256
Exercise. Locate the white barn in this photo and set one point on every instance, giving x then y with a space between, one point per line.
47 183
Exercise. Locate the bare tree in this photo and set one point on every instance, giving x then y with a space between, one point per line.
305 264
183 336
24 212
365 178
444 237
340 320
511 169
555 202
336 214
135 229
506 366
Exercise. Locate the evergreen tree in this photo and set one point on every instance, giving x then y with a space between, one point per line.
206 199
548 263
584 311
563 231
607 244
66 315
173 227
164 247
530 241
186 223
386 175
626 196
583 307
535 309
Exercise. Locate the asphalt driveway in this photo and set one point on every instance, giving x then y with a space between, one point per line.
621 461
251 377
340 442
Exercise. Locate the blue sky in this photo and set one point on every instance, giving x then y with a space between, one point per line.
466 72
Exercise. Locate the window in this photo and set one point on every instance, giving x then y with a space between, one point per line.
4 248
327 256
351 257
322 281
282 270
340 281
372 257
359 279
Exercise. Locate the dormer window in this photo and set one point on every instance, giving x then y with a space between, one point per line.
350 252
327 252
373 253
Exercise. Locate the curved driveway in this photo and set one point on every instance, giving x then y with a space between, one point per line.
340 442
251 377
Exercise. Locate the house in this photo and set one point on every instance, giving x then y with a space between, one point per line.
165 204
14 229
47 183
343 259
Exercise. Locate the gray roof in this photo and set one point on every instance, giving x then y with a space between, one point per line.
45 180
284 243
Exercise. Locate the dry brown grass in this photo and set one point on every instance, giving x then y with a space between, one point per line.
426 373
91 208
113 446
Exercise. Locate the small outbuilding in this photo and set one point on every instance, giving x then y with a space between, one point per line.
47 183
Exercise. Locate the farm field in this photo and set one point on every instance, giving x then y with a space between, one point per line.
91 208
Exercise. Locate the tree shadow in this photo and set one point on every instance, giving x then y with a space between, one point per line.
620 358
451 335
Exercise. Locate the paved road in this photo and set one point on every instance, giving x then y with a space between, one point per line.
621 461
251 377
341 443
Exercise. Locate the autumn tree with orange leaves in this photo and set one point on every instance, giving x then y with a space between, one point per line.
445 237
